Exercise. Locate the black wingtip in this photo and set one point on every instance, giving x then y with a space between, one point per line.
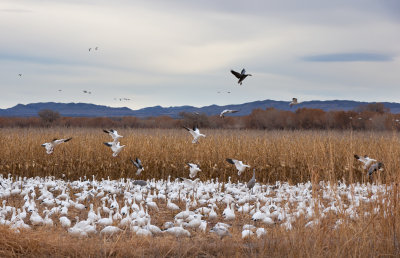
104 130
356 156
230 161
68 139
107 144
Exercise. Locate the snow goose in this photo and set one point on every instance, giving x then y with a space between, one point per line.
65 222
47 221
178 231
261 232
238 164
229 213
51 145
115 147
227 111
143 232
138 164
195 222
195 132
241 76
189 183
36 219
106 221
220 231
367 161
194 168
247 233
114 134
172 206
212 214
110 230
152 228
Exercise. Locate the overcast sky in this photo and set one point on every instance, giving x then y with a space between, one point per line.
173 53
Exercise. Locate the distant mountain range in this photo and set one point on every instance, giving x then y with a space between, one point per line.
92 110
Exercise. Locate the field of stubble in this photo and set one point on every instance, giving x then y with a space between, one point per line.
286 156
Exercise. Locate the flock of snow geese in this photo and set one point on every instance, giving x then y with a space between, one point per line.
86 207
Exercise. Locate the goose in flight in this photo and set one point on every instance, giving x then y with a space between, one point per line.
238 164
50 145
138 163
20 74
294 102
113 133
241 76
115 147
194 168
195 132
227 111
367 161
189 182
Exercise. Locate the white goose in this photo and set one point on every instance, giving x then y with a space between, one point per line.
227 111
51 145
238 164
195 132
115 147
193 168
114 134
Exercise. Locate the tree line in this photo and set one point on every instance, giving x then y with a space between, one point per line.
367 117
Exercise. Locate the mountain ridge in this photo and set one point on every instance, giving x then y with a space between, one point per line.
94 110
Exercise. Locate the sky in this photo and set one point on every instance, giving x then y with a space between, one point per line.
174 53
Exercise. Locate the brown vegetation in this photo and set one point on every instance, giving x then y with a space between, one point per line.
293 156
369 117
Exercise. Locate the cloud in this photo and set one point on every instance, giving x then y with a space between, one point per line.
349 57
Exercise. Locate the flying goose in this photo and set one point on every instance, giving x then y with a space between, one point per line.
194 168
294 102
188 182
137 164
241 76
238 164
113 133
115 147
195 132
367 161
227 111
50 145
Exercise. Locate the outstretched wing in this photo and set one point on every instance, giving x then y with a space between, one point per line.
134 163
238 75
243 71
232 161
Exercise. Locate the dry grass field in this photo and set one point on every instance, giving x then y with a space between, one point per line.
287 156
292 156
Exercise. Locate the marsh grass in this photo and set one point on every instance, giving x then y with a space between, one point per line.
292 156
